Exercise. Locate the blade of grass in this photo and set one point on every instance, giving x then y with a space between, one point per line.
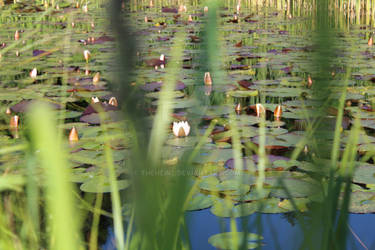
64 233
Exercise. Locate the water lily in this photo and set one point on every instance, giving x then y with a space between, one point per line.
207 78
205 9
73 135
260 109
113 101
278 111
182 8
86 55
16 35
8 111
85 8
370 41
33 73
181 129
96 78
309 81
14 121
190 18
305 149
95 99
238 108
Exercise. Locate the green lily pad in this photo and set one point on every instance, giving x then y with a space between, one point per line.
100 185
188 141
243 93
362 202
233 240
300 203
364 174
271 206
227 208
218 155
294 187
200 201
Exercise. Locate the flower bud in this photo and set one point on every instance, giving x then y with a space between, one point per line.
86 55
94 99
238 108
278 111
181 129
370 41
207 78
16 35
14 121
309 81
96 78
259 109
33 73
113 101
73 135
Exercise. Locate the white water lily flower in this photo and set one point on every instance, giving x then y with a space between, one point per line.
33 73
85 8
86 55
95 99
181 129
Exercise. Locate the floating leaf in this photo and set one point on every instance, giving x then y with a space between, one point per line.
233 240
100 185
200 201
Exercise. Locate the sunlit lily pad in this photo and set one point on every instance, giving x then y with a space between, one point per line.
271 206
362 202
365 173
298 203
243 93
287 188
200 201
227 240
101 185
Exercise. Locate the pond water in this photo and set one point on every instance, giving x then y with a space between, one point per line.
249 71
278 232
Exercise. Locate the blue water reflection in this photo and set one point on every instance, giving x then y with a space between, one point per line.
279 230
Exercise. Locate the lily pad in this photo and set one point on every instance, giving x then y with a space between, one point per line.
100 185
200 201
233 240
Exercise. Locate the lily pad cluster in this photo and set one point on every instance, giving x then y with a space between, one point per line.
43 59
266 61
